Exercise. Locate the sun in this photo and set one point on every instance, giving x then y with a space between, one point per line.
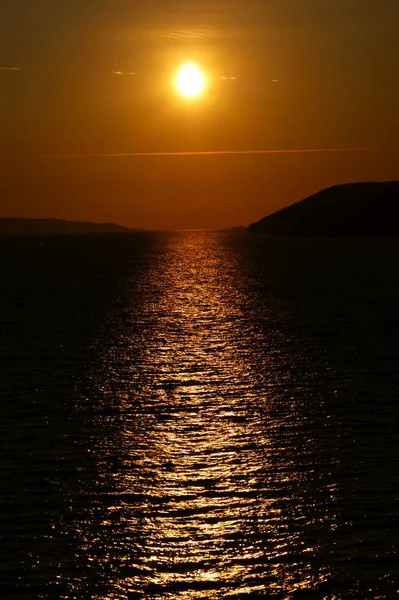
190 81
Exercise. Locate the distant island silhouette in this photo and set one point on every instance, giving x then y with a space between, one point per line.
56 227
353 209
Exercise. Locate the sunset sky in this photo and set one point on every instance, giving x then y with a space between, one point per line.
84 77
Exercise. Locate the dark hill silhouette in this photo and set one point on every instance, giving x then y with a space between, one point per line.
354 209
55 227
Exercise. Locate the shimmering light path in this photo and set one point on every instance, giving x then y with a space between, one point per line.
207 477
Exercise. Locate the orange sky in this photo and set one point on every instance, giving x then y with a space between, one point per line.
308 74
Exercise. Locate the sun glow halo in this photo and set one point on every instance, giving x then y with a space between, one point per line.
190 81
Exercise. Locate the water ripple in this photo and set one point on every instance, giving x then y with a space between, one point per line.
201 436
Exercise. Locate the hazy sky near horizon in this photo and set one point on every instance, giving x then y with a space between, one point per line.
95 77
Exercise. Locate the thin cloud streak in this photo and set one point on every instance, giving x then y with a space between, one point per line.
129 73
211 153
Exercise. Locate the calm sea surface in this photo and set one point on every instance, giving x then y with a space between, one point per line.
199 415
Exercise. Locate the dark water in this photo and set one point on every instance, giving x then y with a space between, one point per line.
196 415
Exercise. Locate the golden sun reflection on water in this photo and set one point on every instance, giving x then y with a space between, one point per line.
198 450
206 490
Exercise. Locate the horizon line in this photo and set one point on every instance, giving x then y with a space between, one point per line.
210 153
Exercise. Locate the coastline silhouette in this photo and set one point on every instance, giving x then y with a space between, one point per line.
348 210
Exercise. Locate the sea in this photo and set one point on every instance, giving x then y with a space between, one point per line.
199 415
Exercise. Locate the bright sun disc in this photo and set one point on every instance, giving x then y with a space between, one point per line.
190 81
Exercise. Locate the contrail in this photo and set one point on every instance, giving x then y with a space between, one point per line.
211 153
